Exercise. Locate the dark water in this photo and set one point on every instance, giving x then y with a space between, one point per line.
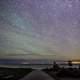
37 64
34 66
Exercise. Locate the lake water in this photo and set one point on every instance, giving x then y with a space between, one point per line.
28 66
38 64
35 66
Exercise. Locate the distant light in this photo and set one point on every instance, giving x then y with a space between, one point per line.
75 62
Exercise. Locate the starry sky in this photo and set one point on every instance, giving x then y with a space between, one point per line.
39 29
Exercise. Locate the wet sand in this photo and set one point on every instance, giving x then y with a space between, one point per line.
37 75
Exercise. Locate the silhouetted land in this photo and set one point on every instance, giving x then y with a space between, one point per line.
56 72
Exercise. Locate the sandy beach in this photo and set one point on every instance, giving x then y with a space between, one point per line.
40 75
37 75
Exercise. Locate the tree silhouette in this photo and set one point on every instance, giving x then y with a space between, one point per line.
69 63
55 66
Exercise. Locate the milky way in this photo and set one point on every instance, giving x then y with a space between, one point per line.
40 29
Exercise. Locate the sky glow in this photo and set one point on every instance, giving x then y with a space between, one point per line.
40 29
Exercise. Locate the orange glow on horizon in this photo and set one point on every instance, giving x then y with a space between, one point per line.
75 62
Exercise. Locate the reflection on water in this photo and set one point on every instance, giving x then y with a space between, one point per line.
37 66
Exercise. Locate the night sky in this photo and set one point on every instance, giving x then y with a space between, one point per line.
39 29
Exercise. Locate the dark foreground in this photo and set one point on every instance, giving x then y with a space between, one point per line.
45 74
